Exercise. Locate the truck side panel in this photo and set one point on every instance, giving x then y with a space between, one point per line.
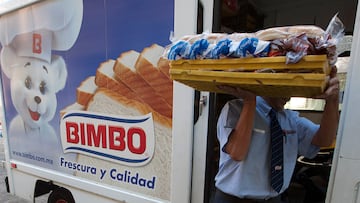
85 107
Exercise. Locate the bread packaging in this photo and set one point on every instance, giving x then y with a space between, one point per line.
279 61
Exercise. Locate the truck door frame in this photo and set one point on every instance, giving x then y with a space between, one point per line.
189 136
344 183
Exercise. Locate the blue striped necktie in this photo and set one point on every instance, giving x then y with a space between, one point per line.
277 171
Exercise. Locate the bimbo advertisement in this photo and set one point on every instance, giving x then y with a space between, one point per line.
86 91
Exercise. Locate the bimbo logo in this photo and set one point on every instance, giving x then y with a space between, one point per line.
126 140
37 43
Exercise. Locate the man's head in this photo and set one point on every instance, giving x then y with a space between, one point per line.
277 103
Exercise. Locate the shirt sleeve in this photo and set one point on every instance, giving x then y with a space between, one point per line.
306 130
227 121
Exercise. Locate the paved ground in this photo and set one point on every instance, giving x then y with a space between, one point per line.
5 197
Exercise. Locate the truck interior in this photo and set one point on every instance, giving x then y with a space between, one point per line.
310 179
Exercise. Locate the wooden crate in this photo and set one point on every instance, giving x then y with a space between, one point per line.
306 78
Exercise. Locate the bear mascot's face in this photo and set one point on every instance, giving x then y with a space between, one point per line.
34 84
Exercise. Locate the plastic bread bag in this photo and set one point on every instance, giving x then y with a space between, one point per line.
334 33
335 29
298 47
177 51
218 50
197 49
187 47
249 47
178 48
318 44
217 46
298 43
199 46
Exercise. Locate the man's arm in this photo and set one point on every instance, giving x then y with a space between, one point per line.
330 120
239 139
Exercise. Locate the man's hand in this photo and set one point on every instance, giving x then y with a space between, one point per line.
238 92
333 87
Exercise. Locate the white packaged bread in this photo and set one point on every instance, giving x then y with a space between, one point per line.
206 61
285 32
294 42
258 44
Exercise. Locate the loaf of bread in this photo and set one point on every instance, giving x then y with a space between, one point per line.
245 45
274 33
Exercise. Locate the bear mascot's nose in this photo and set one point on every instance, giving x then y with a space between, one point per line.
37 99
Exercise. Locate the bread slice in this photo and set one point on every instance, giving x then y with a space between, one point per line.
152 53
105 78
86 90
125 72
164 66
146 66
74 106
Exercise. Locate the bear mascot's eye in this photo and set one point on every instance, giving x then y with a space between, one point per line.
42 87
28 82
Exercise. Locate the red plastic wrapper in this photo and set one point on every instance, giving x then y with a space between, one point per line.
294 47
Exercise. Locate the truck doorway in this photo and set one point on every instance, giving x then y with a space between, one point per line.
249 16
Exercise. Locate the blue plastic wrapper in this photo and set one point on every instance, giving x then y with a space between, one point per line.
249 47
203 49
219 50
197 49
178 50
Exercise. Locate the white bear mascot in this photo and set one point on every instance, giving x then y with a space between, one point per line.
28 37
34 84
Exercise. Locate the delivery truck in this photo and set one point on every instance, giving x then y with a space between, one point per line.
91 113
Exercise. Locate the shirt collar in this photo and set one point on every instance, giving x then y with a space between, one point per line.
264 107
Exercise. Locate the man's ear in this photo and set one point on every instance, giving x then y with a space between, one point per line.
8 60
59 69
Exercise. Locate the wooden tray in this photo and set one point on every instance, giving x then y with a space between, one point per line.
310 63
205 75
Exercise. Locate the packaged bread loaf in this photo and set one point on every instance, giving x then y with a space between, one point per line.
294 42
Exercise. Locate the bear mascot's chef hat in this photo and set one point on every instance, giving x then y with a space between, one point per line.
36 30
